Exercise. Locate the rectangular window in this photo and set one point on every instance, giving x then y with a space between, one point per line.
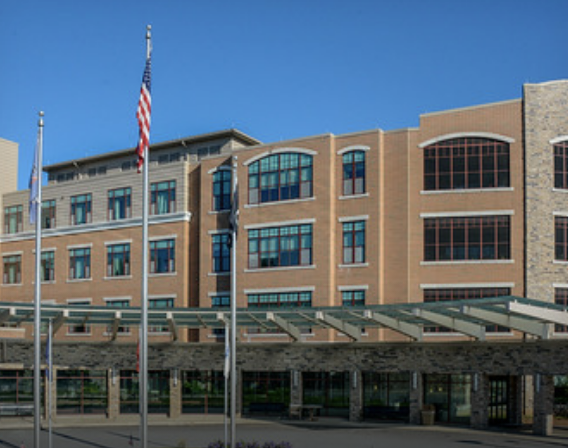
561 298
162 256
82 392
12 269
48 266
161 303
450 294
48 214
353 298
302 299
163 197
81 209
221 301
221 252
80 263
13 222
354 242
561 165
280 246
473 238
82 328
561 238
466 163
222 188
354 173
119 204
119 303
118 260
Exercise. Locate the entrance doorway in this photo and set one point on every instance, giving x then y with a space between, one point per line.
498 400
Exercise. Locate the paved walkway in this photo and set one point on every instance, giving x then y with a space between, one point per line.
326 433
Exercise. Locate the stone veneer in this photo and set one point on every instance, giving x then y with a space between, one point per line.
545 111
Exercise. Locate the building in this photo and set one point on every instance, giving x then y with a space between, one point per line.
469 205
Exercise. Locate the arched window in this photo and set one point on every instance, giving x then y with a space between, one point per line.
353 173
463 163
280 177
561 165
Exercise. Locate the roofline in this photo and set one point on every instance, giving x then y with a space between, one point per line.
235 133
479 106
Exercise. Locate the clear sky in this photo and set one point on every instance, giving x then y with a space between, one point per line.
275 69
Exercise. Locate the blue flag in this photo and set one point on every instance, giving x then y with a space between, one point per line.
47 356
34 184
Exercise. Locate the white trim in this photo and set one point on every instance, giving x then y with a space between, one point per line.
560 262
560 285
282 268
219 231
116 299
75 301
457 262
353 196
118 277
563 214
162 274
113 243
163 237
353 148
100 227
80 246
219 294
353 218
48 249
218 274
466 285
353 265
162 296
490 135
468 214
558 139
253 159
288 201
468 191
353 288
560 190
276 290
11 254
265 225
219 168
78 280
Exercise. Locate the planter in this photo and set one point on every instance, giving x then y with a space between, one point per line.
428 417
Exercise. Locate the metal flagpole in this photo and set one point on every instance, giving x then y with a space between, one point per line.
49 377
36 204
233 374
226 372
143 391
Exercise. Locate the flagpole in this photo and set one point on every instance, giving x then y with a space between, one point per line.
36 204
143 384
49 377
233 374
226 374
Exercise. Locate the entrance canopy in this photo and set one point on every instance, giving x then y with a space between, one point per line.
468 317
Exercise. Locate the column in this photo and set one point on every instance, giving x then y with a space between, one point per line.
239 404
296 396
543 404
356 396
479 401
175 393
416 397
113 393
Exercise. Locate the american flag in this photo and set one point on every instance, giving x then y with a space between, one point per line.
34 184
143 113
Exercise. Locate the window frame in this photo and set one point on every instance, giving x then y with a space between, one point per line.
561 238
118 253
119 204
266 247
78 202
354 252
47 266
48 214
155 253
561 298
560 163
356 184
12 269
221 189
13 219
220 253
74 257
167 189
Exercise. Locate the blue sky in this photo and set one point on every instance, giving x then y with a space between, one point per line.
273 69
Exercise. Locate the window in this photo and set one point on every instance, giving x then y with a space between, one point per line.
118 260
221 252
474 238
449 294
82 392
463 163
222 188
162 256
280 177
353 298
13 219
163 198
48 266
119 204
80 263
301 299
354 242
118 303
280 246
561 165
161 303
48 214
221 301
81 209
82 328
561 238
126 166
561 298
354 173
12 269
